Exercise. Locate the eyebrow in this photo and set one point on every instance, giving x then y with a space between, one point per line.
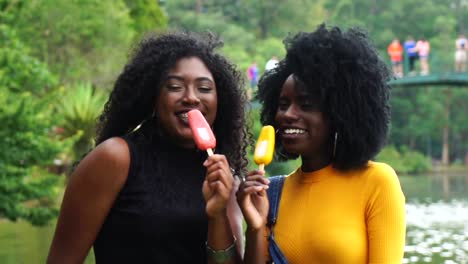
180 78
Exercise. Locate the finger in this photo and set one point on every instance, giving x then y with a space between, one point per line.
219 188
261 193
215 158
243 198
221 174
206 189
251 187
213 166
254 183
246 189
258 178
254 189
218 166
256 172
218 176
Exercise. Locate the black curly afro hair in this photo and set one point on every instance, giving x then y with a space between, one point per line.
133 97
344 68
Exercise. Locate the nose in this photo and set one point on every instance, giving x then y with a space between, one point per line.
291 113
191 97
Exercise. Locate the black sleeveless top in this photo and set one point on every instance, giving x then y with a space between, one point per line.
159 215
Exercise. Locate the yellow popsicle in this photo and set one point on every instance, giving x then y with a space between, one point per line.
265 147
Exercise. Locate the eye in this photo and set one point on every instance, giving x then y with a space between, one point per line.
173 87
205 89
283 105
310 105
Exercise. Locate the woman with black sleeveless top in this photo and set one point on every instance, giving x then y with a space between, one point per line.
145 194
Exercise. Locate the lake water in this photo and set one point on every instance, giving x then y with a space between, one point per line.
437 225
437 218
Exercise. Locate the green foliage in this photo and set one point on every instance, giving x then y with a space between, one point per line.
79 109
27 143
404 161
146 15
75 38
17 66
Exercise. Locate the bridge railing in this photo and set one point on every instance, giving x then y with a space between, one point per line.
437 63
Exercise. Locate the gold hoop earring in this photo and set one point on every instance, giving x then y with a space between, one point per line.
334 144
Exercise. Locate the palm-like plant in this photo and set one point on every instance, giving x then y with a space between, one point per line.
79 110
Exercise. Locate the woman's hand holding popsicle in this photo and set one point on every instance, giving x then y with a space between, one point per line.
252 196
253 200
218 182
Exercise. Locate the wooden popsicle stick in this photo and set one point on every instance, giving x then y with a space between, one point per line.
261 167
210 152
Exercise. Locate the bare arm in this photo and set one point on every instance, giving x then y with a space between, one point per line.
253 202
386 225
235 217
222 218
91 191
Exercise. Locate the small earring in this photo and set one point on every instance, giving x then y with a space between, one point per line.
334 144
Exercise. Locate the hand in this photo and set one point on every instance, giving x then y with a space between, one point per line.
253 200
217 186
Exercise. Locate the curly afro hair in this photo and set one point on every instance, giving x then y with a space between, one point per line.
345 70
132 100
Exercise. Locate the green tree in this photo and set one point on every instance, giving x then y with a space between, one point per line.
27 143
146 15
75 38
459 125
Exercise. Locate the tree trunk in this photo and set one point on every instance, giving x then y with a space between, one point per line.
445 145
199 6
446 129
466 156
412 143
263 23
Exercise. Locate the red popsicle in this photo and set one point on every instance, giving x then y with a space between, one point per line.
201 131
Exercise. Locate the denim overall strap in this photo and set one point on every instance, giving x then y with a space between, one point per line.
274 195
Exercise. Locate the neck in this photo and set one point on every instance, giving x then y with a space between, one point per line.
314 164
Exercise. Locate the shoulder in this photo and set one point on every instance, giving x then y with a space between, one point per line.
113 151
108 163
382 176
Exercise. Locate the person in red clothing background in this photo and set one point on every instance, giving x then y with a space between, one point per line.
395 51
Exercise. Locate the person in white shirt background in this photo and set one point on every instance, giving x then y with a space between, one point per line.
271 63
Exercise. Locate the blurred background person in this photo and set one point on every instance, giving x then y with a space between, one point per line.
252 74
424 48
411 54
395 51
271 63
460 53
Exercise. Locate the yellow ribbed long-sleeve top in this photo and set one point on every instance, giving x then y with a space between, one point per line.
328 216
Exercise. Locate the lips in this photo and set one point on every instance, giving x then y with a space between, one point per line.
292 132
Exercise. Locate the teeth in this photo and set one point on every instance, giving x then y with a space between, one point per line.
294 131
184 116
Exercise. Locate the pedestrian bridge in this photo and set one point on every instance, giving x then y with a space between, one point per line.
445 79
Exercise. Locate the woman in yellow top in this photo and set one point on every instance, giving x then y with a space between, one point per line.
328 100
